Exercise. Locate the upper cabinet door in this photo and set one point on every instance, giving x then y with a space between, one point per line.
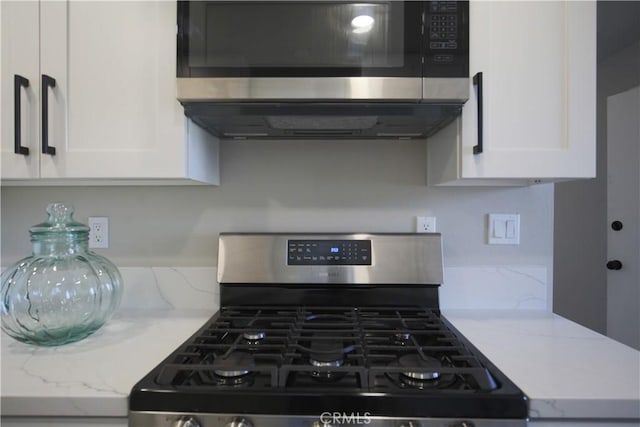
20 65
96 84
538 69
124 119
54 88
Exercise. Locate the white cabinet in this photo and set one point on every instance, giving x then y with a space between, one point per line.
538 67
29 58
113 115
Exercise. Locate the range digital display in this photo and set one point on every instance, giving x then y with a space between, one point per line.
329 252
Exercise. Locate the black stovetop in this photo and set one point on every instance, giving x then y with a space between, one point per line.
279 359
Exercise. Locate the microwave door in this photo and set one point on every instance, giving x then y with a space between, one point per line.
220 39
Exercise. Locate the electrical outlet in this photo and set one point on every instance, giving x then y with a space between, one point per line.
426 224
98 232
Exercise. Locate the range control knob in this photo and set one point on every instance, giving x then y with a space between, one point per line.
463 424
239 422
187 422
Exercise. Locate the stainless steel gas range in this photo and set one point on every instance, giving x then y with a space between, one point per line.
323 330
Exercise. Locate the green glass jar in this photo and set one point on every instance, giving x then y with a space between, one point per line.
63 292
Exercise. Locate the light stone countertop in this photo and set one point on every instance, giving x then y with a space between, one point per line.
567 371
92 377
161 307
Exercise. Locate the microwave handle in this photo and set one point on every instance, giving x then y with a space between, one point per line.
47 82
477 83
18 83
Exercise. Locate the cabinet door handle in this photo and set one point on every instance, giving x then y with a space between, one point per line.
47 82
18 83
477 83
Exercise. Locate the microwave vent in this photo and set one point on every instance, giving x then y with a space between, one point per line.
324 123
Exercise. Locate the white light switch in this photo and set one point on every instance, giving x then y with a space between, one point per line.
504 229
499 229
511 229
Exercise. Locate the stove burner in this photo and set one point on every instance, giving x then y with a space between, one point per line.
420 373
326 352
255 337
326 355
413 361
325 348
233 366
447 381
231 374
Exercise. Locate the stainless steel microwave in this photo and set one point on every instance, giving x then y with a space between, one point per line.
318 69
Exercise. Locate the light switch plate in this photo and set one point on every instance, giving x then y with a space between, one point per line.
503 229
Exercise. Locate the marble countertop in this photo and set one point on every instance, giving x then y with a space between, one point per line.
92 377
161 307
567 371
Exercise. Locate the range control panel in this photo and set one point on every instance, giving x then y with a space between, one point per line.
329 252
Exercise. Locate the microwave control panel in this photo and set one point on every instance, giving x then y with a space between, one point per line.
447 39
329 252
443 25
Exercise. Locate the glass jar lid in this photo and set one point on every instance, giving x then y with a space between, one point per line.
60 221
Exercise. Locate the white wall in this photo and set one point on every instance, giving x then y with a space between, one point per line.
292 186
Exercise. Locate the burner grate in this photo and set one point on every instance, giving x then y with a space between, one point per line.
326 347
